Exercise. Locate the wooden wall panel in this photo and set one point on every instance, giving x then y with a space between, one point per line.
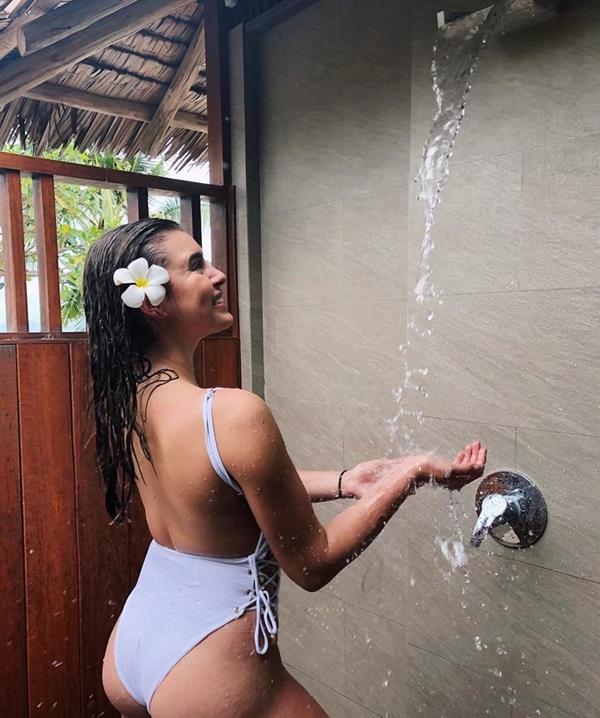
13 636
103 549
221 363
49 523
139 539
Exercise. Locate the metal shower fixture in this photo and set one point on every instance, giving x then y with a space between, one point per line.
521 14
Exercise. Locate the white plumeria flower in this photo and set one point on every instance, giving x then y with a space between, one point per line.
146 282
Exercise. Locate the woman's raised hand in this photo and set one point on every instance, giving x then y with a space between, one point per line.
415 470
466 466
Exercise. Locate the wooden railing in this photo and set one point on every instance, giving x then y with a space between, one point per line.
44 174
65 572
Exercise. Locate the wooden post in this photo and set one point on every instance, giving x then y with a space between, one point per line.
15 280
191 217
219 155
47 252
217 82
137 203
232 281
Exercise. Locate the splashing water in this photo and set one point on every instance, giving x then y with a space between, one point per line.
456 55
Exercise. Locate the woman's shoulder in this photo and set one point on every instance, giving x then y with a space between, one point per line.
180 401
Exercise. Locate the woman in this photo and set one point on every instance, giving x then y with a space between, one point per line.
197 637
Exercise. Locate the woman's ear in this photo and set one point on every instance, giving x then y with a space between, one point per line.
152 312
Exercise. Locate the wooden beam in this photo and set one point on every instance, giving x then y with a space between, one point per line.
87 174
26 72
15 281
8 38
64 21
47 252
180 85
114 106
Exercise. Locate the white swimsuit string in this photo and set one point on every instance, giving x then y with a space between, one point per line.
266 623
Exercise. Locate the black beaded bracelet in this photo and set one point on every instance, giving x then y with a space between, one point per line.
340 495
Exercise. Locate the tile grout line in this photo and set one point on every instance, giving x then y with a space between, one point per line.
331 688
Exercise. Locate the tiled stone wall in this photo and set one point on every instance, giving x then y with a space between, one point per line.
345 106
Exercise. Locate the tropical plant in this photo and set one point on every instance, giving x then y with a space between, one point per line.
82 215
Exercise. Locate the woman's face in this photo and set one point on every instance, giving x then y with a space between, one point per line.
194 285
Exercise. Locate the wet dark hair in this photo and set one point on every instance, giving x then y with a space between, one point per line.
119 337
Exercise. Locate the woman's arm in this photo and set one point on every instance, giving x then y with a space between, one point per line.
322 485
309 552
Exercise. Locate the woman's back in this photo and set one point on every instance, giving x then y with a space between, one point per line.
188 506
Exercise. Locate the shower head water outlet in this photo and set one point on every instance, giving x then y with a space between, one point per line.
520 14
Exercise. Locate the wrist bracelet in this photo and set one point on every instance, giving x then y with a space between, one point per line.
340 495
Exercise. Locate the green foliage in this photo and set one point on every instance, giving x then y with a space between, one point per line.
82 215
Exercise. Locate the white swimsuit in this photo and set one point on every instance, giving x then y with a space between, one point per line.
181 598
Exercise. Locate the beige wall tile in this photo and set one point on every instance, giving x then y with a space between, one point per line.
527 708
335 704
312 432
526 359
436 687
321 130
375 651
477 231
311 363
535 87
373 259
302 256
311 636
555 619
532 629
561 185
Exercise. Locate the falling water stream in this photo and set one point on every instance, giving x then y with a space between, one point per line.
456 55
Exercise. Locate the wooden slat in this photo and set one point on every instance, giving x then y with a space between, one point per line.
37 337
218 250
11 218
137 203
139 539
61 22
197 360
20 75
221 363
191 216
174 95
50 535
86 174
47 252
102 549
13 643
114 106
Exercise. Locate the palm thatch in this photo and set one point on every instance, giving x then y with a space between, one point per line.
121 77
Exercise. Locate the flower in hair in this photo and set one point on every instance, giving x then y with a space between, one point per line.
145 282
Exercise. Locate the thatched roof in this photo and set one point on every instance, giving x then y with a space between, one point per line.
114 75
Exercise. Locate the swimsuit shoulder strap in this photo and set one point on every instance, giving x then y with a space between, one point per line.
211 443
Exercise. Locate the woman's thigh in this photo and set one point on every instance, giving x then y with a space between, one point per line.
224 676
